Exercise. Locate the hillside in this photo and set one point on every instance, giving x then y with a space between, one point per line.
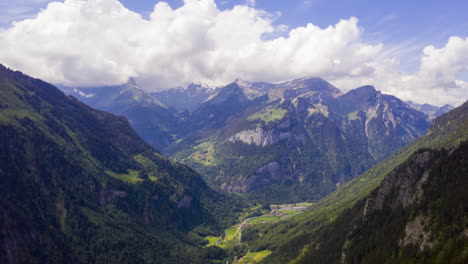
419 203
79 186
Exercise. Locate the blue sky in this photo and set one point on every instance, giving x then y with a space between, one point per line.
413 49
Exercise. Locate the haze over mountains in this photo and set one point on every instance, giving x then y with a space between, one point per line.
291 141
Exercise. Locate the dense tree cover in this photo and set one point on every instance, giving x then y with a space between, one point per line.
78 185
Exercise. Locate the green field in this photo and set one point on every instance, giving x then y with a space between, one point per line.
255 257
211 240
264 219
269 115
230 233
130 177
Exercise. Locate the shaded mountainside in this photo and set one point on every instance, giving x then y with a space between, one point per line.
78 185
156 123
410 208
298 141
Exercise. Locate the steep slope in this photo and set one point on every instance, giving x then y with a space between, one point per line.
300 145
153 121
416 215
79 186
215 112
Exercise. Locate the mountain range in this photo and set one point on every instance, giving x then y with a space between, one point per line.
430 110
293 141
80 185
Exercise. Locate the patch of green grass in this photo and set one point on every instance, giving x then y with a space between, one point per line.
264 219
204 154
269 115
150 167
211 240
130 177
230 233
255 257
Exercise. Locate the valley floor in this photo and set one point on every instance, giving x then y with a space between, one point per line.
232 236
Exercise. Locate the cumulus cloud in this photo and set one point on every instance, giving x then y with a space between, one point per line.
100 42
437 80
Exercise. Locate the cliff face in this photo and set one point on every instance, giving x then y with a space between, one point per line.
417 215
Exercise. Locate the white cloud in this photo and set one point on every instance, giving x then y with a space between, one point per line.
100 42
436 81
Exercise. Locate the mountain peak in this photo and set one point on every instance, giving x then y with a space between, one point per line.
131 81
366 89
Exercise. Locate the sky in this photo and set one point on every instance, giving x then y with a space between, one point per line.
416 50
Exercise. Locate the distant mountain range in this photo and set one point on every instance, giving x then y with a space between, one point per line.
430 110
297 140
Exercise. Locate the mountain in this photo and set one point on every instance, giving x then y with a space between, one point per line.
410 208
186 98
293 141
78 185
152 120
431 110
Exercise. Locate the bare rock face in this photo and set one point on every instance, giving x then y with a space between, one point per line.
407 181
267 174
256 136
415 234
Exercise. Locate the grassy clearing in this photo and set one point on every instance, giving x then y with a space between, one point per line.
130 177
150 167
255 257
264 219
204 154
268 115
230 233
211 240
